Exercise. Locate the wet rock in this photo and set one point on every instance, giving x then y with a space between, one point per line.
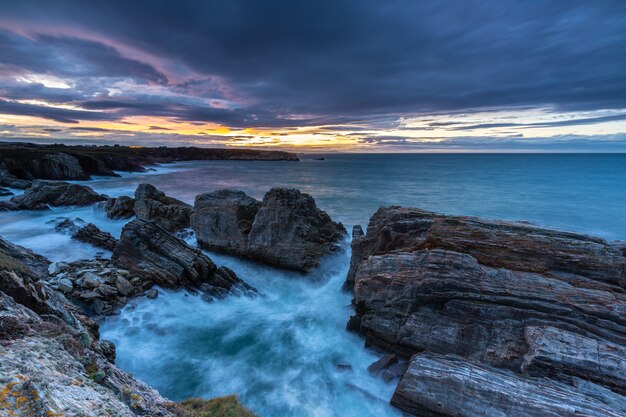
437 385
536 302
383 363
91 234
344 367
124 286
91 280
395 371
43 193
120 208
152 204
56 268
149 251
583 260
65 285
5 192
153 293
222 220
286 229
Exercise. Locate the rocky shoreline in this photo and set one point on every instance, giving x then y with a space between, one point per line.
21 163
495 318
476 317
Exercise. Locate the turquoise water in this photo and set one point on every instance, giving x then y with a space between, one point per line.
279 352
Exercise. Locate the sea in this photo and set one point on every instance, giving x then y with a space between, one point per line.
285 353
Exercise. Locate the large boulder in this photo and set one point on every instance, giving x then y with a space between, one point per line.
122 207
44 193
169 213
536 302
286 229
222 220
148 250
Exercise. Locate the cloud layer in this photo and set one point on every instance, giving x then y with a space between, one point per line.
339 66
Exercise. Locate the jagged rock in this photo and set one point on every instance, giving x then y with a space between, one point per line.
43 193
149 251
286 229
88 233
152 204
120 208
5 192
222 220
437 385
52 362
508 295
580 259
91 234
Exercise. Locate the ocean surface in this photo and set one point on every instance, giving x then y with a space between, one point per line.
280 352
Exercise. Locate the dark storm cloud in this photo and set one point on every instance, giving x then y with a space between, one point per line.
52 113
347 59
70 56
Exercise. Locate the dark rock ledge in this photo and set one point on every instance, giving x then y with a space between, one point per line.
497 318
20 163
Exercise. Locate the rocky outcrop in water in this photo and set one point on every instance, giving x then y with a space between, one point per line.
532 311
27 161
43 193
150 252
86 232
286 229
120 208
9 180
152 204
52 360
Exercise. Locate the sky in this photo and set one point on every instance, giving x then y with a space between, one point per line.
317 76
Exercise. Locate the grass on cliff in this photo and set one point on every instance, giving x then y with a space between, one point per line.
217 407
9 263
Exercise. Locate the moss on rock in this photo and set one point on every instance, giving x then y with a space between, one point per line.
217 407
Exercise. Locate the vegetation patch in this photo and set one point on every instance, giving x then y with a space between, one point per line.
217 407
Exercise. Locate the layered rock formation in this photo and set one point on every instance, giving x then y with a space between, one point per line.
86 232
43 193
152 204
531 315
286 229
150 252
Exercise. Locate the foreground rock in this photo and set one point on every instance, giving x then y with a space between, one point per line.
536 302
152 204
53 363
286 229
437 385
150 252
44 193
